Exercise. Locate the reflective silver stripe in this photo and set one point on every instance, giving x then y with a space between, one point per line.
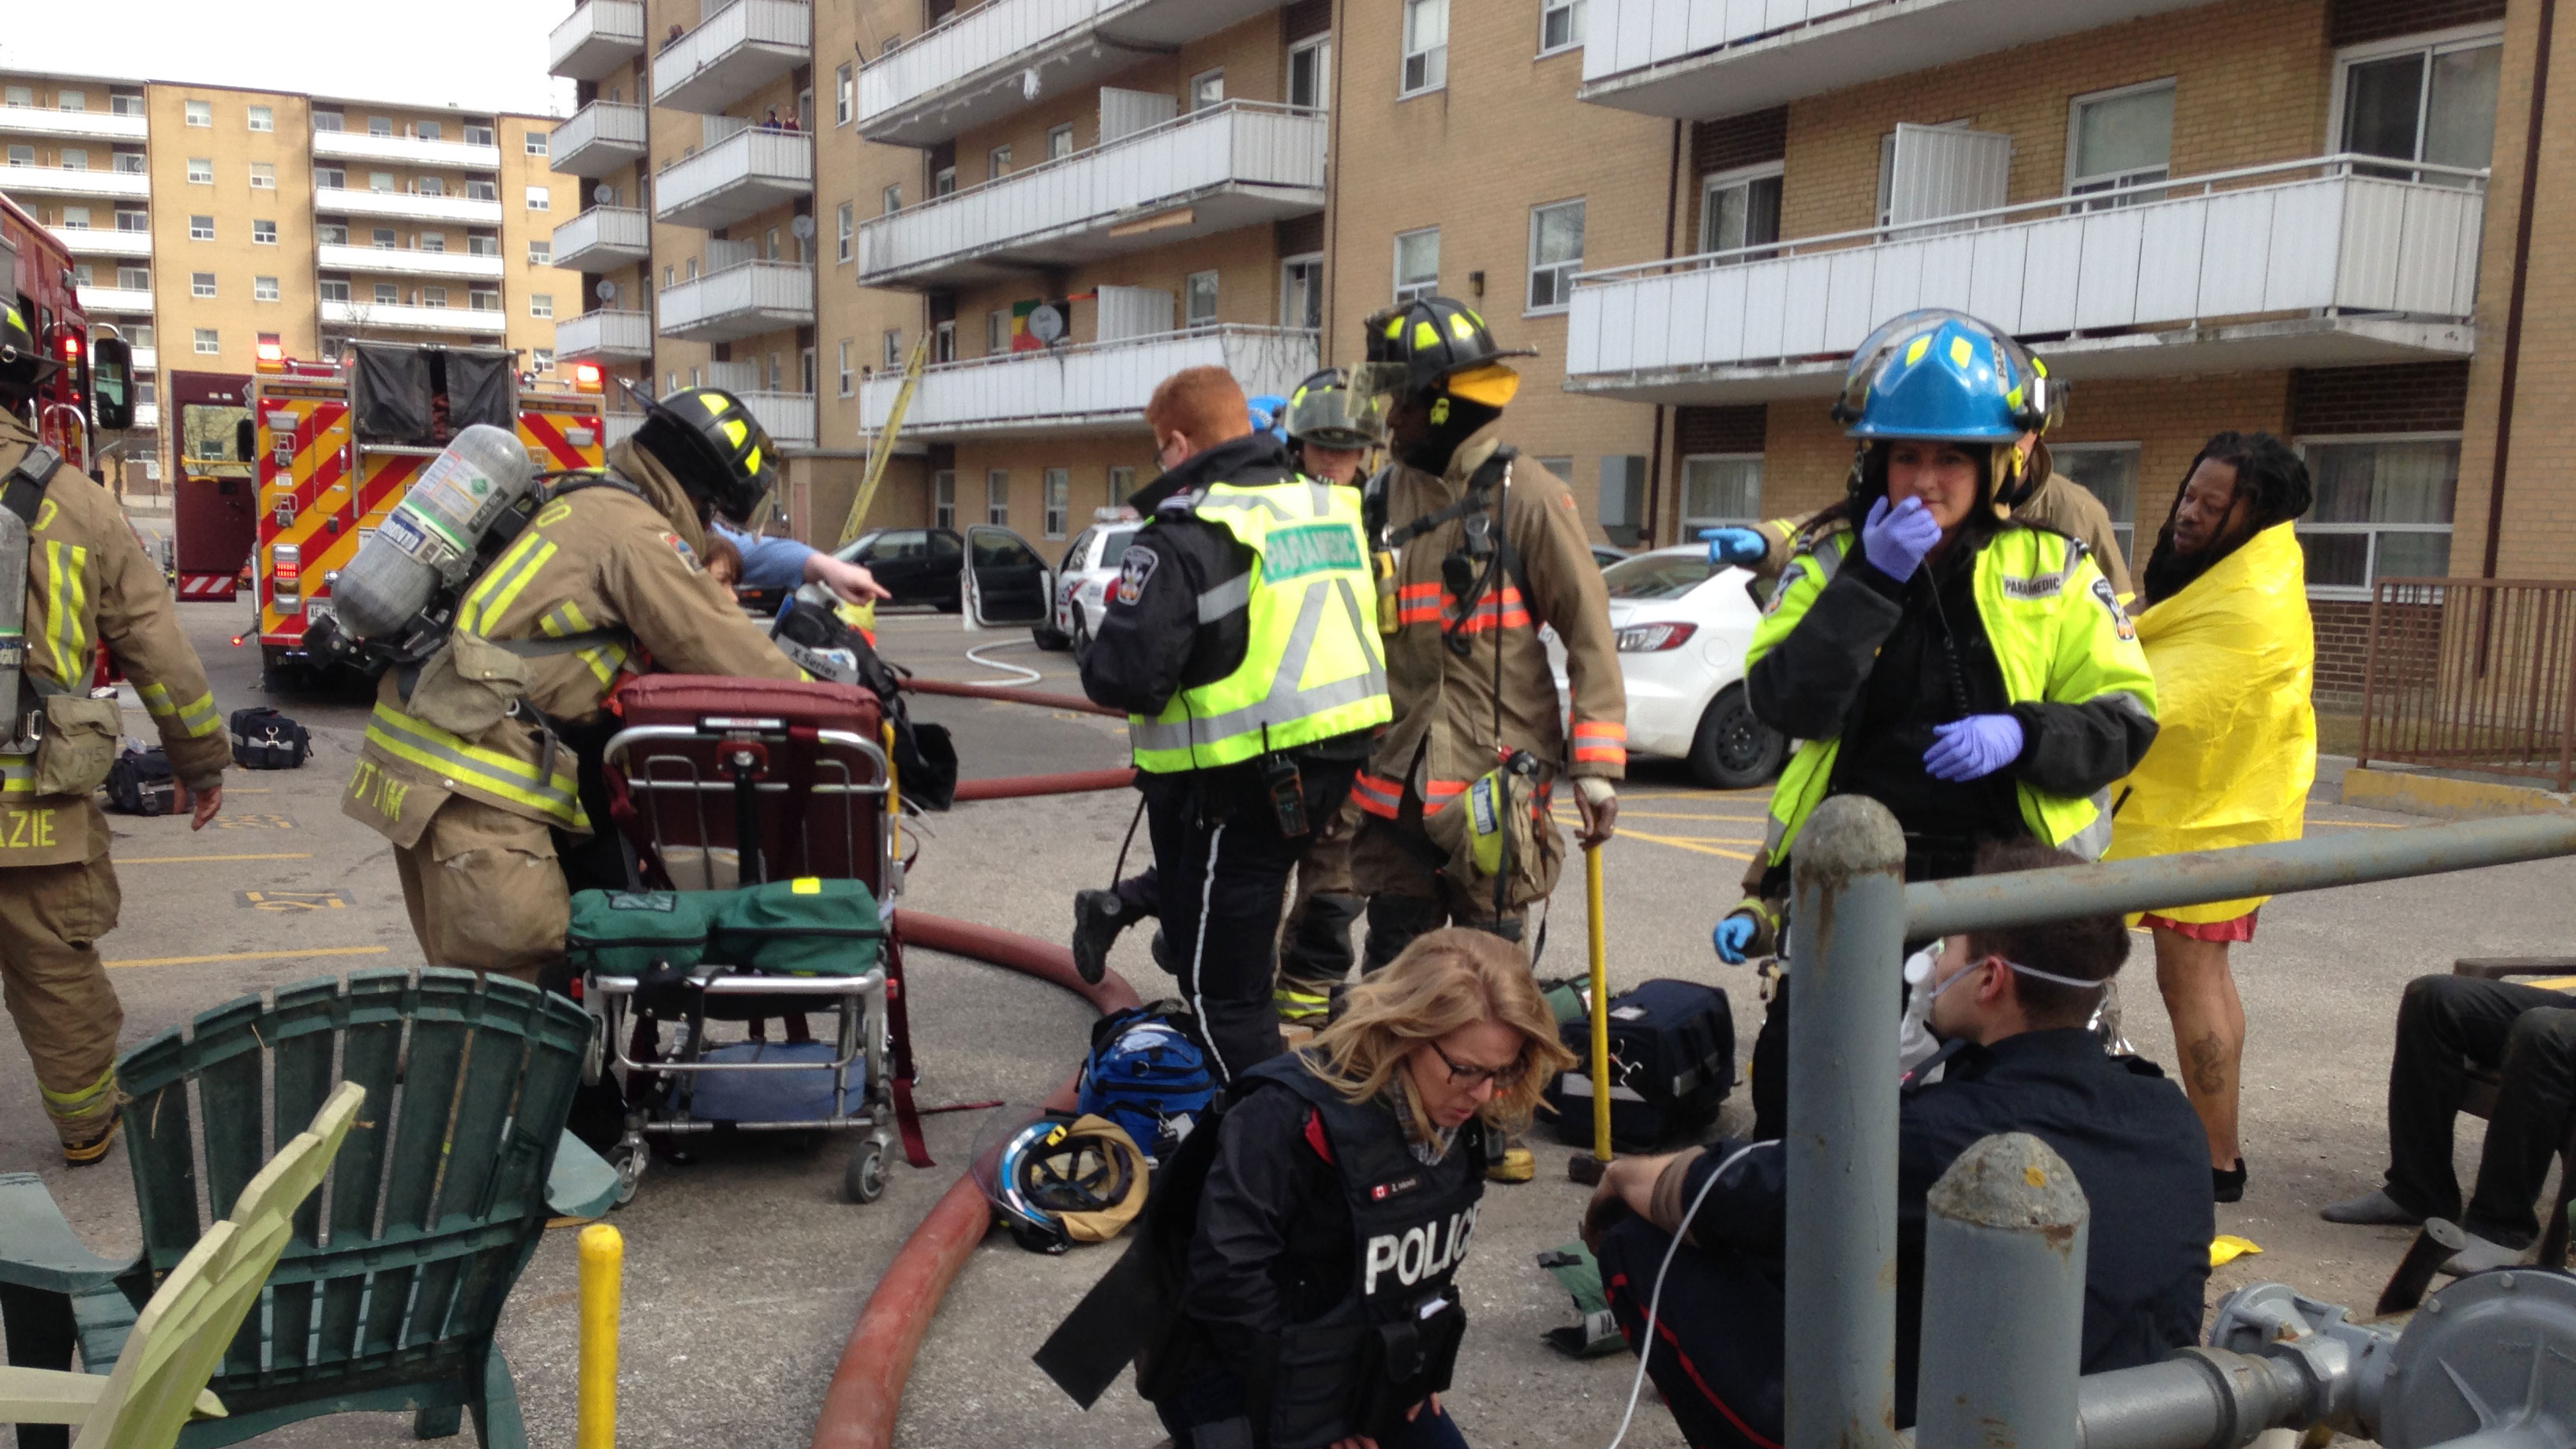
17 774
1244 501
1285 702
1231 597
1829 559
2095 838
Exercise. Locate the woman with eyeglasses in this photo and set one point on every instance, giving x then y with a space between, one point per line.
1301 1296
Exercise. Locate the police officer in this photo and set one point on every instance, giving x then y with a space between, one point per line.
480 825
1237 640
86 582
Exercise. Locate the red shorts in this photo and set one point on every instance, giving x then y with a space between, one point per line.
2239 929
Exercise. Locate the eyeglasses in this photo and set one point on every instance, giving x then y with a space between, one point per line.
1504 1078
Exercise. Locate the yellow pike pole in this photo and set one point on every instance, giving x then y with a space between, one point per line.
1600 1005
603 1260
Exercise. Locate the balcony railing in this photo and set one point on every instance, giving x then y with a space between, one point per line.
55 181
147 416
404 150
597 39
407 262
90 241
1099 387
120 300
389 317
2472 674
84 125
743 300
1238 164
732 53
599 138
345 201
2260 268
747 173
1704 60
616 427
604 237
605 336
788 417
145 360
972 68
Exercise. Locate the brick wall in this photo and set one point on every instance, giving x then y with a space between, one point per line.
1719 430
1304 18
2343 646
2358 22
2410 397
1746 140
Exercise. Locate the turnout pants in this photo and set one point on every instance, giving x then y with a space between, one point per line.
1395 865
2526 1033
51 917
485 892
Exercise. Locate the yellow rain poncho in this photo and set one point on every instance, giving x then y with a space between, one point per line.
2236 739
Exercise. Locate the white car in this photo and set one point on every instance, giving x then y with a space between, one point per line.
1682 625
1089 567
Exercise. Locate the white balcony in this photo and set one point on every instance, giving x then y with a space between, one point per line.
733 52
145 360
390 261
404 151
788 417
604 237
2299 264
91 241
974 67
1701 59
55 181
599 138
1097 388
617 427
409 206
605 336
77 125
742 175
597 39
364 318
147 416
743 300
1230 166
117 301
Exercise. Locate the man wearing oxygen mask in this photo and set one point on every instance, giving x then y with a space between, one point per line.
2010 1007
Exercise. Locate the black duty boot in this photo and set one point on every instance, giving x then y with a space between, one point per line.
1098 917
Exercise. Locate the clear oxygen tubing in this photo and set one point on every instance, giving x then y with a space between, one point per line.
1655 1300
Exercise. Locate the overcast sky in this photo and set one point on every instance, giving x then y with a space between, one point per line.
478 54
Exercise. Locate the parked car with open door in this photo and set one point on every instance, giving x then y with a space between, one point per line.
1082 580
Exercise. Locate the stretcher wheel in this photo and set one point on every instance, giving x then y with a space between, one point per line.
629 1159
865 1180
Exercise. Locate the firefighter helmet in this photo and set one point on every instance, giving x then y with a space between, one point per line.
719 451
1327 411
1434 344
1938 374
22 363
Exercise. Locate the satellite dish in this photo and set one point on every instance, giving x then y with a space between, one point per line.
803 226
603 193
606 291
1046 323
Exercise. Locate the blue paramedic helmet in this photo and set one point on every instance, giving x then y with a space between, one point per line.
1942 375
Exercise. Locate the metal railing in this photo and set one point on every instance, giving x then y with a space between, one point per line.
1086 384
2472 674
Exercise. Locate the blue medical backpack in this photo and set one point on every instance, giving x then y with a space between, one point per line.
1148 1075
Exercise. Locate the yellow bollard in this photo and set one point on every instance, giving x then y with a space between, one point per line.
1600 1005
603 1259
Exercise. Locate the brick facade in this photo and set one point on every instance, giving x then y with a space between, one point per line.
2359 22
2343 645
2406 397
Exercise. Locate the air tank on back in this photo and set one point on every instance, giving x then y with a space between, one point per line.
431 537
13 618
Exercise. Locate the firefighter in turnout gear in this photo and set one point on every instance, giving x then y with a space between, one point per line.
490 804
1478 547
1237 638
85 582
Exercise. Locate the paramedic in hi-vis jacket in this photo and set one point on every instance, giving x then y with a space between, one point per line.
86 583
480 821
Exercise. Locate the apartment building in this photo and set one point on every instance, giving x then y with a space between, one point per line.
207 222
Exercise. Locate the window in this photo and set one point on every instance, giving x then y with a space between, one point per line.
84 275
1417 263
263 233
997 497
693 269
434 297
997 331
201 228
262 118
1059 500
75 218
18 97
431 186
1719 489
843 96
541 253
380 182
1122 485
201 171
805 109
2383 509
2110 472
1426 46
332 233
429 131
482 244
199 113
75 159
380 126
71 100
331 177
997 163
1301 292
124 103
208 344
1310 73
943 182
943 342
541 304
847 386
893 357
540 199
770 247
331 121
263 176
1623 498
2430 103
1199 293
131 219
139 334
480 299
482 188
1207 89
383 238
335 289
943 499
1556 254
541 359
134 279
387 294
2120 138
1059 142
26 156
1560 24
1740 209
843 227
130 163
263 289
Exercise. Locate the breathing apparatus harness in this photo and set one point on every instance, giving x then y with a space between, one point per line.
22 494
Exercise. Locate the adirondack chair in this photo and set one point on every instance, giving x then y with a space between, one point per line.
160 1379
387 1294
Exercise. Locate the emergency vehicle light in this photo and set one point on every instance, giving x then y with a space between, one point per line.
71 347
585 375
286 573
272 357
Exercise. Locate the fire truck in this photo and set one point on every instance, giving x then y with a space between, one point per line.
42 287
212 484
336 444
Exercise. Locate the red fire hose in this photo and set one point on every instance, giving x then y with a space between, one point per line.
1039 697
1020 787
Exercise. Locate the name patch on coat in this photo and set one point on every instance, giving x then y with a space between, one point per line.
1308 549
1135 567
2044 586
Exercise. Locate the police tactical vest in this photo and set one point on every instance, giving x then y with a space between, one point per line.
1313 667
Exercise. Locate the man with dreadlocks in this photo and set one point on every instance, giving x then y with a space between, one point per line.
2224 621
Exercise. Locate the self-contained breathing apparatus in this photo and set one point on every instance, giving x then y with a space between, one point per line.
22 492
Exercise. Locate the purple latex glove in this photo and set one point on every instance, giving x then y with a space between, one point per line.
1973 748
1895 540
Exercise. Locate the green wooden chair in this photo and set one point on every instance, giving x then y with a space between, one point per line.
389 1288
182 1334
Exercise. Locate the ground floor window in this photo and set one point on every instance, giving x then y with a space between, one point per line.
1059 500
2383 509
943 498
2109 471
1720 489
997 497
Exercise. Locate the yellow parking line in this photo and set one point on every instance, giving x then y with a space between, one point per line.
252 956
191 859
2363 824
1678 842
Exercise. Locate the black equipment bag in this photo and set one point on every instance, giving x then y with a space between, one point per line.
263 739
1672 1061
140 783
925 758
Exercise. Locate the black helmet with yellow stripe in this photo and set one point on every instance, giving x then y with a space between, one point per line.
22 363
714 445
1437 344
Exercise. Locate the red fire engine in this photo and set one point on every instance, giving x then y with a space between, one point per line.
48 300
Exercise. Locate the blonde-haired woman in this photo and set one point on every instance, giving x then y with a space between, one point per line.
1314 1290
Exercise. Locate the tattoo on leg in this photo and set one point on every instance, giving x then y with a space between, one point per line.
2205 1064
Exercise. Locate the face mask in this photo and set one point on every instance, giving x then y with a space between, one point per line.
2033 972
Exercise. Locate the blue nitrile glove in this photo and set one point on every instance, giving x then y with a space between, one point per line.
1895 540
1737 545
1973 748
1732 935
